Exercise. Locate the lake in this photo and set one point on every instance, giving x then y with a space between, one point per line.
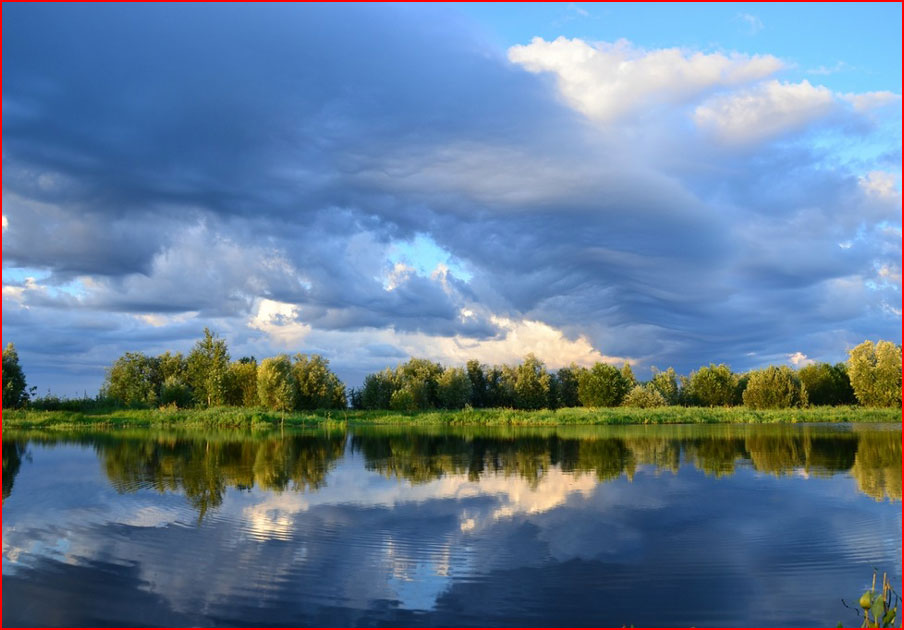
690 525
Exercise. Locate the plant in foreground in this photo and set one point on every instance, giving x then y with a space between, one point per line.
880 610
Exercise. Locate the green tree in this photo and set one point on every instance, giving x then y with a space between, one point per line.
134 379
666 384
175 392
208 366
453 388
318 387
419 377
500 387
479 385
628 374
712 386
827 384
875 373
568 378
173 365
377 390
643 397
15 392
602 386
774 388
275 384
242 383
531 384
403 400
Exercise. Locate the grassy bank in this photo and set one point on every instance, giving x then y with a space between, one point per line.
244 417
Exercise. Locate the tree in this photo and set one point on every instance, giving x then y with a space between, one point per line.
208 365
500 387
628 374
134 379
568 386
175 392
712 386
602 386
531 383
173 365
479 385
275 383
643 397
377 390
453 388
774 388
419 377
403 400
317 386
875 373
242 383
666 384
15 392
827 384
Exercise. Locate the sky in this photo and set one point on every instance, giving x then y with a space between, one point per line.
667 185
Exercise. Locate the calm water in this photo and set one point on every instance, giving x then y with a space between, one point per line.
612 526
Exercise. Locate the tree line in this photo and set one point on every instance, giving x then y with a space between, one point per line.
206 377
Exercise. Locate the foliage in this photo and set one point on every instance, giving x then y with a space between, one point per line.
453 388
241 381
276 387
774 388
479 384
712 386
317 386
15 392
666 384
644 397
134 379
208 365
827 384
602 386
875 373
377 390
880 610
628 374
175 392
567 391
403 400
530 382
419 377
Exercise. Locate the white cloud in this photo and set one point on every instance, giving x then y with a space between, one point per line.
799 359
280 321
754 24
827 70
5 223
765 111
867 101
883 185
607 80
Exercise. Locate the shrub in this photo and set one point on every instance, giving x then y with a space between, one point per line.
774 388
644 397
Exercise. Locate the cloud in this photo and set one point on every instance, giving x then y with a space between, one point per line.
606 81
754 24
418 191
765 111
799 359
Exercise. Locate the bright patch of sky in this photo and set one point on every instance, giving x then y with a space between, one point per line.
423 255
854 37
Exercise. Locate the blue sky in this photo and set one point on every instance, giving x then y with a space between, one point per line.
659 184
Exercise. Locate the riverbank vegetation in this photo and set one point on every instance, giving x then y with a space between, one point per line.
207 387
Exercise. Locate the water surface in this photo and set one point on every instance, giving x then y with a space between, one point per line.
752 525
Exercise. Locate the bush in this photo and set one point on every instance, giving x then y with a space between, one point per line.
602 386
644 398
275 384
774 388
712 386
875 373
175 392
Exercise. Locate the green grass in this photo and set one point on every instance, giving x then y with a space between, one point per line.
245 417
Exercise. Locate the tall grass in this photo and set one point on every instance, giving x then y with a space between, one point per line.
249 417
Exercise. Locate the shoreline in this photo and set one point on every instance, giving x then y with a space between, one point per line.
573 416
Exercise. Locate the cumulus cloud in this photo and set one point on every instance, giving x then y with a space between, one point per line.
605 81
765 111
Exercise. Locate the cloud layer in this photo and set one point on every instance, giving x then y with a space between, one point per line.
586 201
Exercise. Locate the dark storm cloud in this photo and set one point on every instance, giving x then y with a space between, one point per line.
192 160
